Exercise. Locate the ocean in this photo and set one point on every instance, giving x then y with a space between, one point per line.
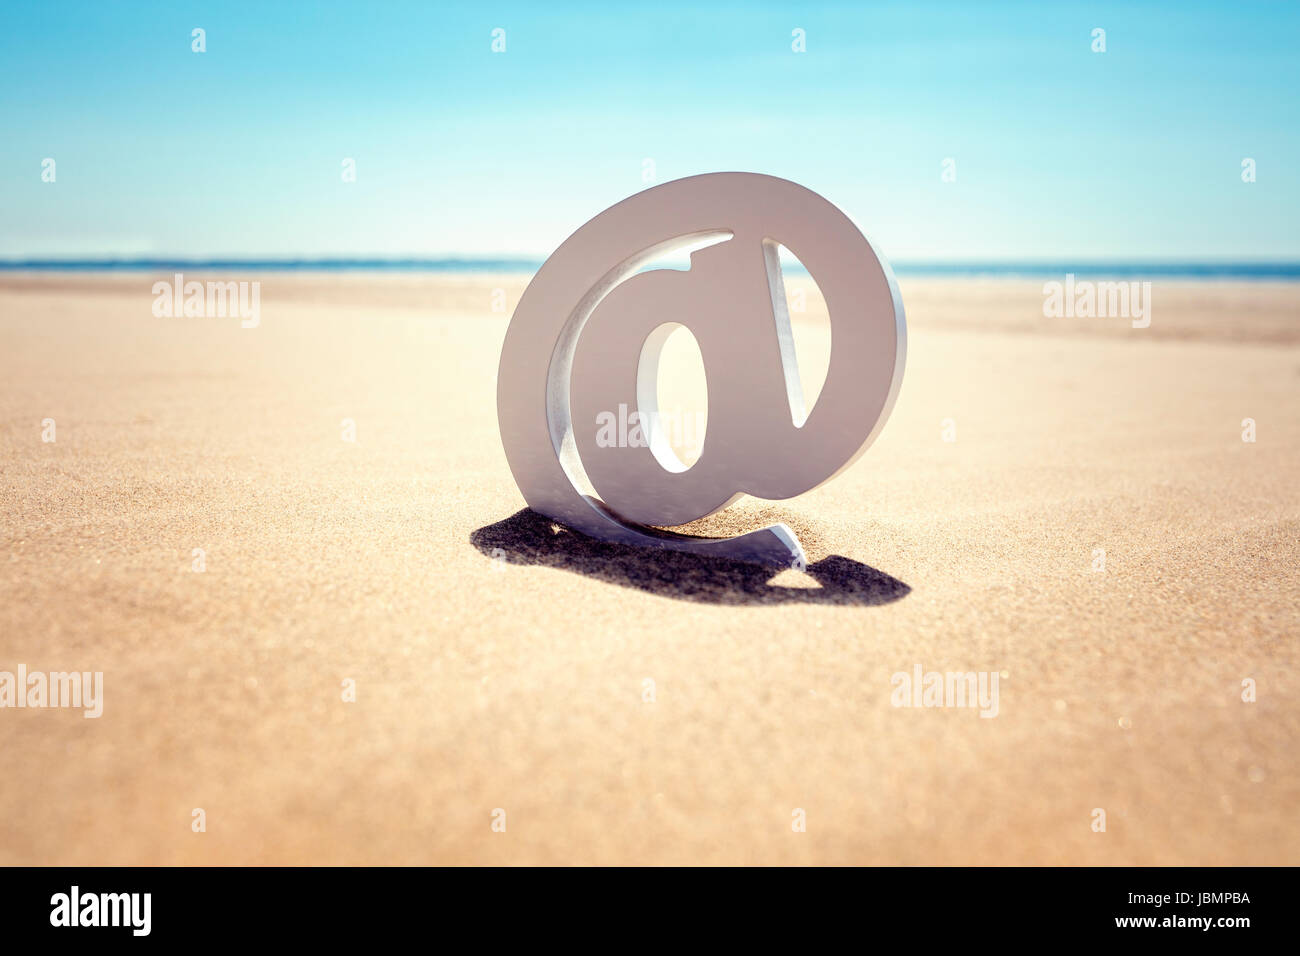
1274 271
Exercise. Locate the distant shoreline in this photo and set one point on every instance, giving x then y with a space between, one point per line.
1024 270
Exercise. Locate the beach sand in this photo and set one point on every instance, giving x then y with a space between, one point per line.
500 663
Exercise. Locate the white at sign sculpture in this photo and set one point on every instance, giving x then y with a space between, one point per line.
587 335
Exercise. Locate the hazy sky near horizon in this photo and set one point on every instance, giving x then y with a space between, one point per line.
1059 152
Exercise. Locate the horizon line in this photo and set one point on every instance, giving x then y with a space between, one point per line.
1008 267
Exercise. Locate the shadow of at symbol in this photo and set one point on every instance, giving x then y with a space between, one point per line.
530 538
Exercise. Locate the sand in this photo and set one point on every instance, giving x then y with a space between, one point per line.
500 663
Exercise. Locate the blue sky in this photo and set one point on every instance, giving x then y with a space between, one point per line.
1059 152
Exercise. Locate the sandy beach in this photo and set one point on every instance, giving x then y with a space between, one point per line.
502 664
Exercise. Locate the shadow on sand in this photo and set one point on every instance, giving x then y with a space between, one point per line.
529 538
